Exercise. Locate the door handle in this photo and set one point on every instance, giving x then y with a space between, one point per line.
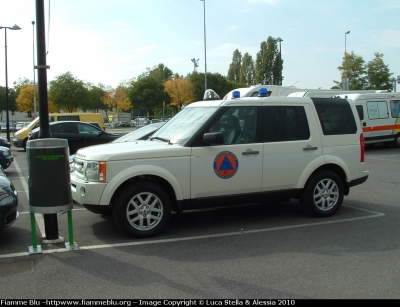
309 147
250 152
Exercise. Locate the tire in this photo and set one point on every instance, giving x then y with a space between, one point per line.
142 210
323 194
396 142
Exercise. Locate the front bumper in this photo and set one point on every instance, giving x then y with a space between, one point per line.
87 193
6 161
8 212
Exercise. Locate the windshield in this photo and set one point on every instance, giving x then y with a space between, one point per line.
183 125
34 122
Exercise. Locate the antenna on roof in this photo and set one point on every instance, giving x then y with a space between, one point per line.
288 87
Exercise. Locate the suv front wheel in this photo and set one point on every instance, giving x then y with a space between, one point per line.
142 210
323 194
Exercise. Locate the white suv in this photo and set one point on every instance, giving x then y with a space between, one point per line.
226 152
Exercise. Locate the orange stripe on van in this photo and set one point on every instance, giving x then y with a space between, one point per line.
381 128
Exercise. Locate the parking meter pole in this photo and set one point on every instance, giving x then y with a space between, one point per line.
50 220
70 230
34 249
71 245
51 226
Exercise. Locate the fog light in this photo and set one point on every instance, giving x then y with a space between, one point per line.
83 191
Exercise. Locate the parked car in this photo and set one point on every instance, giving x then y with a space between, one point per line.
140 122
20 125
78 134
123 124
6 158
4 142
8 201
227 152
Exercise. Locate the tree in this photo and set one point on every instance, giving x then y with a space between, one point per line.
235 66
181 92
378 74
25 99
353 67
117 100
216 82
247 70
266 63
68 93
95 94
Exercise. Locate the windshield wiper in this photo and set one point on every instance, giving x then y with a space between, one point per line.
158 138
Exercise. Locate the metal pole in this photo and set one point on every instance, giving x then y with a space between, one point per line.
50 220
7 116
346 85
205 48
34 72
280 63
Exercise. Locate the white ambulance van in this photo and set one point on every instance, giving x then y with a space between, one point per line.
379 115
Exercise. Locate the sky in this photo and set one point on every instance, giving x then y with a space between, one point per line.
112 41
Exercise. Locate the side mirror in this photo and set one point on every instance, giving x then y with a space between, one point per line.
213 138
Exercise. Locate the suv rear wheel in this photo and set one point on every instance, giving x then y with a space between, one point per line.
323 194
142 210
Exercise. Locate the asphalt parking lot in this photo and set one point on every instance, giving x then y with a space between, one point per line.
251 251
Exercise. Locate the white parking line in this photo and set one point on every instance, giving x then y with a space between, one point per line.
40 221
226 234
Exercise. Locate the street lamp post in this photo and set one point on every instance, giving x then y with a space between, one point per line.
346 84
279 40
14 27
205 48
34 72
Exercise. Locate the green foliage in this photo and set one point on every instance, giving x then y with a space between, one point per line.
94 101
216 82
378 74
267 65
147 92
68 93
235 66
374 75
247 70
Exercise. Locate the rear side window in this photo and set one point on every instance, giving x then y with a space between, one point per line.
394 106
335 115
360 112
285 123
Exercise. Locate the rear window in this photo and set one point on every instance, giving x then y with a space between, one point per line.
335 115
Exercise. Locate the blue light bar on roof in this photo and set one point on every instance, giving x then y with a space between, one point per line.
235 94
263 92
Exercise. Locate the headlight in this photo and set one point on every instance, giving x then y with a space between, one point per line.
96 171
